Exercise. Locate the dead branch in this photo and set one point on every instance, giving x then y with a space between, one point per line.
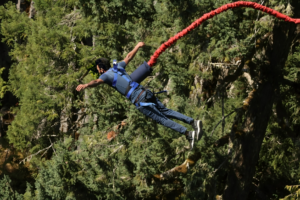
71 18
30 157
84 75
183 168
248 77
116 150
52 146
222 120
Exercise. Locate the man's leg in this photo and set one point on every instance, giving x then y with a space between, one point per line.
173 114
156 115
160 114
165 111
196 124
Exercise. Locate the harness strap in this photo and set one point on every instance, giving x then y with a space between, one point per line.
147 103
121 71
115 80
144 104
133 85
161 92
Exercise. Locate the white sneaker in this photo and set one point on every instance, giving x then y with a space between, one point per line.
191 138
197 126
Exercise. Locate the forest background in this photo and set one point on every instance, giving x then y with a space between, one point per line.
238 72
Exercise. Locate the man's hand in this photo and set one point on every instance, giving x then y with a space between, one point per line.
141 44
81 87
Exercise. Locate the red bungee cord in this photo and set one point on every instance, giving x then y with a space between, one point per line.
209 15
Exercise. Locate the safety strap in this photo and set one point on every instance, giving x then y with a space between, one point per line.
161 92
132 84
121 71
144 104
149 104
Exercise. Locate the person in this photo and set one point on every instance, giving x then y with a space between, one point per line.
144 99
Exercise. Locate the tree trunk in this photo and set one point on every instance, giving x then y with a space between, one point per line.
31 10
246 150
247 147
20 5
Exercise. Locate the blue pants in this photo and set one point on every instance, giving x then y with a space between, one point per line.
161 114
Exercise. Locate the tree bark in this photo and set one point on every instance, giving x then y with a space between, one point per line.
247 147
31 10
246 150
20 5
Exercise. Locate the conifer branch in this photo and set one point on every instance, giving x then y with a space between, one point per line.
295 85
7 182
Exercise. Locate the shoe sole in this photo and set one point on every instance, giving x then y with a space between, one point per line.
198 128
192 142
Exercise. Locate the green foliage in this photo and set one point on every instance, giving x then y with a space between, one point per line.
3 86
294 190
53 52
6 190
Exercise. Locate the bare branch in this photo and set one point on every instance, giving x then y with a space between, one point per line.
116 150
30 157
52 146
84 75
223 64
221 164
183 168
222 120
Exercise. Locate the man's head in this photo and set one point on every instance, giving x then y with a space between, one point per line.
102 65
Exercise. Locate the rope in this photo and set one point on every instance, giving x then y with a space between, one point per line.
211 14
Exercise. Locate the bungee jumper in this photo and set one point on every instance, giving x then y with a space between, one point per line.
144 100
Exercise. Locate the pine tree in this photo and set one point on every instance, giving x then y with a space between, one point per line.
6 190
238 72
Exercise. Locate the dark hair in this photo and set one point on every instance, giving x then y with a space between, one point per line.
102 63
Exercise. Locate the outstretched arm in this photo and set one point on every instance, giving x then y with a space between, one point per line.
131 54
93 83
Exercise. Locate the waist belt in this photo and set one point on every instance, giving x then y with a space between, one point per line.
145 103
142 103
136 100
